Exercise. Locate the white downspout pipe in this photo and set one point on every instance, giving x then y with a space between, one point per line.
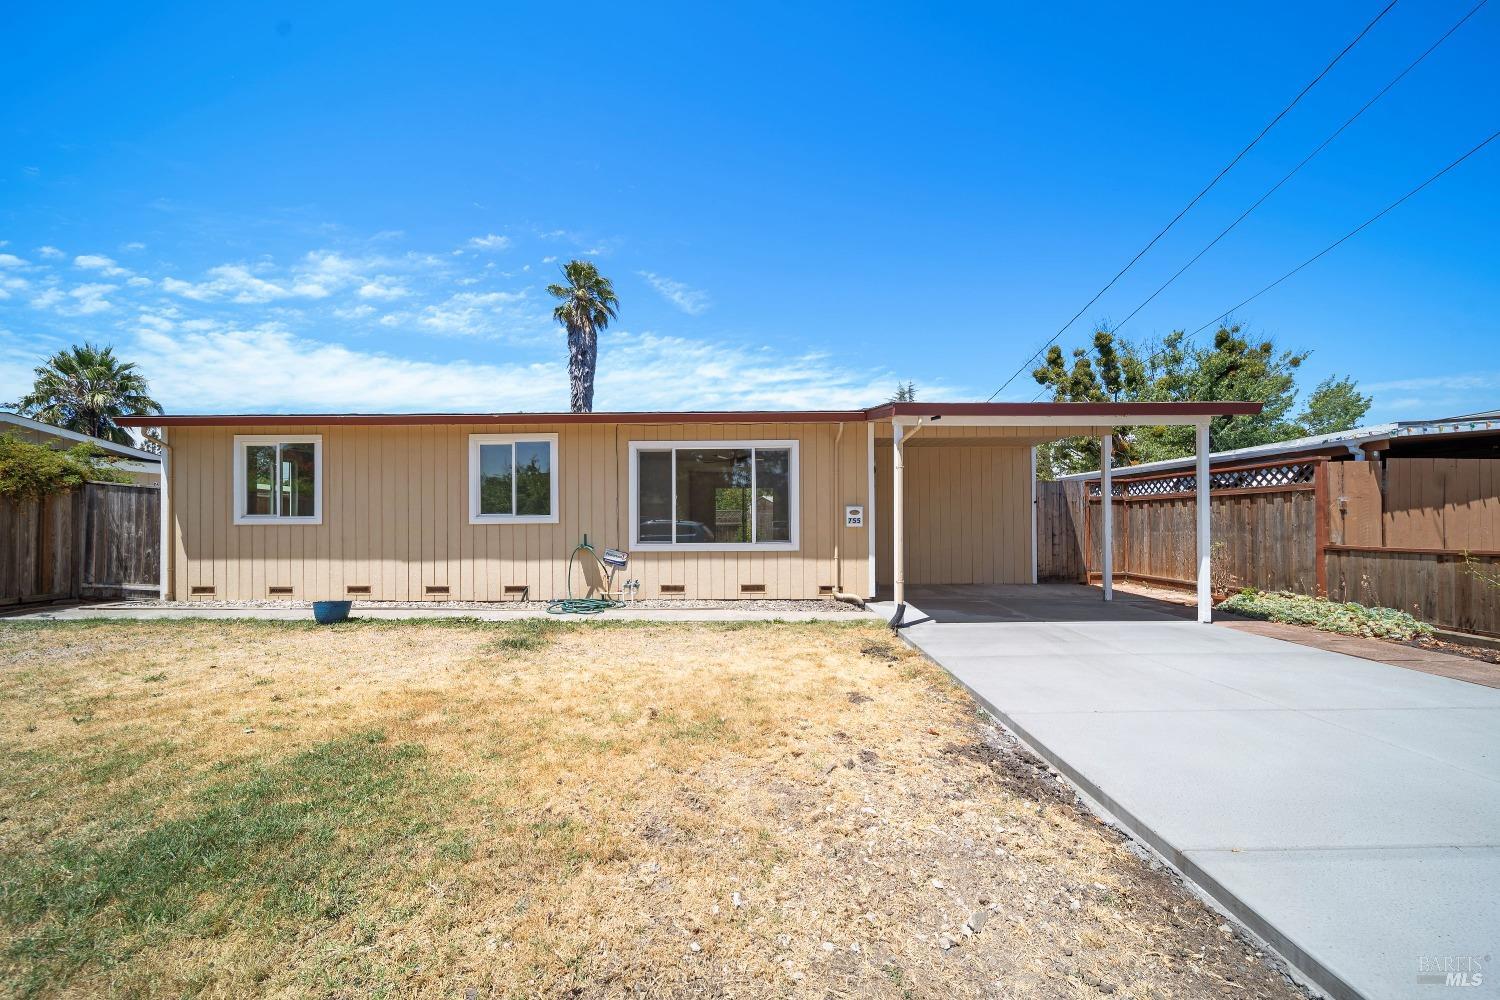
1107 510
839 528
1205 542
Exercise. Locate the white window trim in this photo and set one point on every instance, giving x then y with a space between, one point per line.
475 517
794 497
240 441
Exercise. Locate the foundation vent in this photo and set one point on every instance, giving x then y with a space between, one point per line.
672 588
826 590
201 591
517 591
357 588
279 591
752 588
435 590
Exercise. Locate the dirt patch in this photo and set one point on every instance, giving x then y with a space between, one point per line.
652 810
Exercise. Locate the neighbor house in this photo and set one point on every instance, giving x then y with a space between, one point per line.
488 507
139 466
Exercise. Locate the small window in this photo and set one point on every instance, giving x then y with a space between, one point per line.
724 495
278 480
513 478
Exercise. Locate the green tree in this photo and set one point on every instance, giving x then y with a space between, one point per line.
588 304
1335 405
86 389
1170 370
31 471
906 392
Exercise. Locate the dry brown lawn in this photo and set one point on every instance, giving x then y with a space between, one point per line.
475 810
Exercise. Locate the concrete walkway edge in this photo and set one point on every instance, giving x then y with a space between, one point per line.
1302 964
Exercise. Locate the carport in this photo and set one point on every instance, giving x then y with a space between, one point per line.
969 516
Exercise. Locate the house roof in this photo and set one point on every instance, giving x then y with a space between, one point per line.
37 426
1352 441
884 411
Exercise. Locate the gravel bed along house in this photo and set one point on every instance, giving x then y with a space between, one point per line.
645 605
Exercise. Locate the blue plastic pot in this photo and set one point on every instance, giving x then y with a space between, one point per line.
331 612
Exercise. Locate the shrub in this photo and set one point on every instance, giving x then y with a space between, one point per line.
32 471
1346 619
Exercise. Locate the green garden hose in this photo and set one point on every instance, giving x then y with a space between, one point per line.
571 605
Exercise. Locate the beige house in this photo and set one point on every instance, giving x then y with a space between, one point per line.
488 507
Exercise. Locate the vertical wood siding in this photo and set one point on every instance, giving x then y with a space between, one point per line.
968 512
396 518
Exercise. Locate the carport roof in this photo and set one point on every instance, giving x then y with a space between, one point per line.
1142 413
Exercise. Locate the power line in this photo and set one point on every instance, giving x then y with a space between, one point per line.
1350 234
1329 248
1308 159
1198 197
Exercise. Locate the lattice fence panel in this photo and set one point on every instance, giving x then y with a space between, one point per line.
1259 477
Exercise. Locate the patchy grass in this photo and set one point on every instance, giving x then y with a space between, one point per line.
1321 613
540 808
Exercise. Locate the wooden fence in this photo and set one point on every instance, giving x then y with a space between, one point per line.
1061 527
1404 533
103 540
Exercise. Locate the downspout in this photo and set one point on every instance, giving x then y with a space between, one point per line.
838 531
167 543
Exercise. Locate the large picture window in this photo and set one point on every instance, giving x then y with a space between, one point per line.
278 480
513 478
723 495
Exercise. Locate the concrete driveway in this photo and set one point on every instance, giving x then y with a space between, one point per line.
1347 811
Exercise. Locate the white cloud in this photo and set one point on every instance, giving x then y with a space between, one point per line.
1457 382
473 314
228 369
320 274
81 300
96 262
489 242
245 370
383 288
139 282
50 252
355 312
11 260
88 300
649 371
690 300
133 246
233 282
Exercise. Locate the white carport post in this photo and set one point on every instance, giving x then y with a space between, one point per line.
900 434
1107 508
898 516
1205 547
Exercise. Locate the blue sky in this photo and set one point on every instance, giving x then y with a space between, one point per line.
357 206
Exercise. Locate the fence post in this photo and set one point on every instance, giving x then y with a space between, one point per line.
1321 514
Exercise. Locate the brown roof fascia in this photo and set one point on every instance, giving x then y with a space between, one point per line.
651 417
882 412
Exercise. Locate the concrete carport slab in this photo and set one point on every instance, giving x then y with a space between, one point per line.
1345 810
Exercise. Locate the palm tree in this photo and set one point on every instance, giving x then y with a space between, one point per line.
84 389
588 304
